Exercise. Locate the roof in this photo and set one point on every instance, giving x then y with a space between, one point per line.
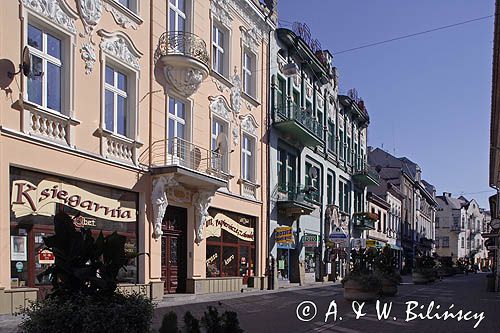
454 203
382 159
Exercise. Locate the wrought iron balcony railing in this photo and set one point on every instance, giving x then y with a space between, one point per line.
303 117
296 192
182 43
179 152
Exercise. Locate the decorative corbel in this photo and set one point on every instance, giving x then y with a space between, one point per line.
201 201
159 201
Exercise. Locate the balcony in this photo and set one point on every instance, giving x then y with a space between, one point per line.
193 166
181 62
291 199
299 124
364 220
365 176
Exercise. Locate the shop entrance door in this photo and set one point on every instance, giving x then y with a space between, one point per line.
173 249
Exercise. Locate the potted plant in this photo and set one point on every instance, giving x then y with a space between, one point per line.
429 268
361 284
419 275
84 277
386 269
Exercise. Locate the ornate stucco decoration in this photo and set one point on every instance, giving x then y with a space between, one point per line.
90 12
219 106
159 201
201 203
88 56
185 81
236 92
251 38
221 11
121 47
56 11
249 124
121 19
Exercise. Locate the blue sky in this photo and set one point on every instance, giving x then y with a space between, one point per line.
428 96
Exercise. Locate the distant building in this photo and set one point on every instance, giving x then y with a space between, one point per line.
459 225
418 204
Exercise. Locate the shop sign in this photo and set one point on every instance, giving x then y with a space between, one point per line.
220 222
338 236
41 199
310 240
371 243
19 266
284 235
358 243
46 257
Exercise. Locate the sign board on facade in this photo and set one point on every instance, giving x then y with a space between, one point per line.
310 240
284 235
46 257
338 236
358 243
220 222
41 199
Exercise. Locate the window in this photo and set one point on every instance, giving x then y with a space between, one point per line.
281 95
462 242
384 226
248 158
437 242
296 98
220 56
177 15
44 84
176 126
341 144
312 183
330 188
218 127
249 79
287 165
446 241
319 114
437 222
116 105
348 152
331 136
344 197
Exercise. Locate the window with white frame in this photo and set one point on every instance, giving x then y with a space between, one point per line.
249 79
177 15
116 109
176 125
129 4
219 127
45 82
220 49
248 158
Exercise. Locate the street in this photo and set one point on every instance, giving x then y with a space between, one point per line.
277 312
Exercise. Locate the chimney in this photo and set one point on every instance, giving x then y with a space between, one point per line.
447 194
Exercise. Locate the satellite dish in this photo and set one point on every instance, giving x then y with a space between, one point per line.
25 66
313 172
195 155
222 144
7 69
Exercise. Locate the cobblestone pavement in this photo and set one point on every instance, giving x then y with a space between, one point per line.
276 312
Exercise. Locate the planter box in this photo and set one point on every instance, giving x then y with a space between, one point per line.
389 288
419 278
354 292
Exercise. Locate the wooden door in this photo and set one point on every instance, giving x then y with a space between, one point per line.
174 250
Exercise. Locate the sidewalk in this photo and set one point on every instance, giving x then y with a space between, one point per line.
183 299
9 323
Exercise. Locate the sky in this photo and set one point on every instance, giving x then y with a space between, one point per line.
429 96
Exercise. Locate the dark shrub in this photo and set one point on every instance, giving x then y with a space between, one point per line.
89 313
